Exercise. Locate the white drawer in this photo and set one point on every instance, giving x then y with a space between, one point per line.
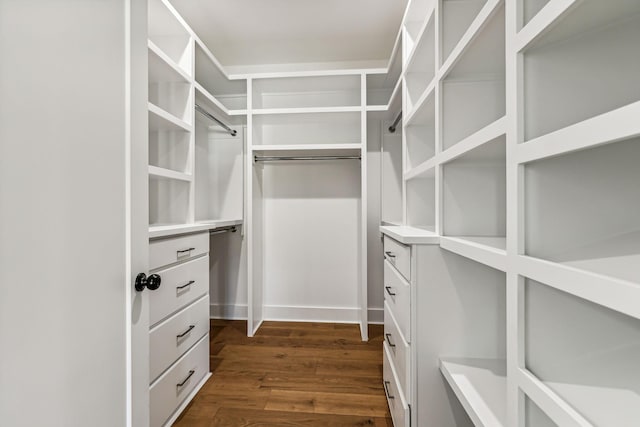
399 351
170 339
174 249
181 285
397 294
173 387
397 404
399 255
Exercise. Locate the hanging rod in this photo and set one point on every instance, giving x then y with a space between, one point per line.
205 113
277 159
231 228
392 128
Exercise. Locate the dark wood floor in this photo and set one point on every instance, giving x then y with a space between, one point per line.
291 374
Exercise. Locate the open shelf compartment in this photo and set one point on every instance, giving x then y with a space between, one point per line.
169 35
421 68
170 149
420 134
381 87
391 174
456 16
534 416
582 210
307 92
474 195
421 202
572 72
232 94
168 201
473 91
530 8
585 353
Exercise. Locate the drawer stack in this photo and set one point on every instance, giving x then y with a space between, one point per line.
179 323
397 330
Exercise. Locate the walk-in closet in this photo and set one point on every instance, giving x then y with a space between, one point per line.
398 213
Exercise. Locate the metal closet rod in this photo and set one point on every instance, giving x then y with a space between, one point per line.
392 128
231 228
205 113
288 158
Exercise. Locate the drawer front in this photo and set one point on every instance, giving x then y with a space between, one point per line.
399 351
397 295
172 338
180 286
399 256
175 249
397 404
173 387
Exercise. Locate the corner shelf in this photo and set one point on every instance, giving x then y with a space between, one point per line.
159 119
481 387
162 68
210 78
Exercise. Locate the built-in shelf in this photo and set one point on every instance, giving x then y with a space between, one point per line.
420 133
305 110
421 202
457 17
481 387
158 231
210 77
421 67
157 172
162 120
307 147
539 16
410 235
170 36
381 88
490 251
162 68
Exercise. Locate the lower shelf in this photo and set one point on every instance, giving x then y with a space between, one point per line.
481 387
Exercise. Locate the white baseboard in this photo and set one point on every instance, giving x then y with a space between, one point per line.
297 314
228 311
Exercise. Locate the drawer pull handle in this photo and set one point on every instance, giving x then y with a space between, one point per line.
186 332
389 340
390 254
388 288
191 372
185 250
189 283
386 390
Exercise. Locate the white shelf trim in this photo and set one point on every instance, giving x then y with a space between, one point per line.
475 140
616 125
209 97
419 39
156 231
486 254
544 20
410 235
478 24
309 110
169 174
426 168
307 147
480 387
555 407
428 92
616 294
168 118
155 50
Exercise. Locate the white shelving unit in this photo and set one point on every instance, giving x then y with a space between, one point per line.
519 157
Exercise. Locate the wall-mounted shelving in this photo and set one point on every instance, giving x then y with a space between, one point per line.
570 71
456 17
232 94
420 133
169 36
421 66
381 88
307 128
421 202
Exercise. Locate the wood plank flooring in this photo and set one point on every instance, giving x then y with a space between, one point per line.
291 374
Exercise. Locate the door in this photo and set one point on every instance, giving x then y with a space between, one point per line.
73 203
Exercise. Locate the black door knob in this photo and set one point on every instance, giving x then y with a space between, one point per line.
152 282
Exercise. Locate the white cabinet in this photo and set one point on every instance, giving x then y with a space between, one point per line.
179 334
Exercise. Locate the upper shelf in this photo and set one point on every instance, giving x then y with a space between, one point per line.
162 120
232 94
162 68
170 35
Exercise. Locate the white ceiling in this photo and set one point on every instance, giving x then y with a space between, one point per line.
257 32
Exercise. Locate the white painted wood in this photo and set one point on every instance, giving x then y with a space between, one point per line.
421 202
397 296
165 347
399 351
363 242
481 386
168 299
228 275
489 251
398 255
305 110
166 395
209 75
391 174
400 411
311 148
162 120
164 252
308 129
534 416
162 68
168 32
156 172
173 418
456 17
421 66
59 157
543 19
410 235
419 131
307 92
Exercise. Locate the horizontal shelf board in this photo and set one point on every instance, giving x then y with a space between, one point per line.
157 172
306 147
490 251
555 407
377 107
211 101
481 387
551 13
616 125
616 294
428 92
419 39
310 73
306 110
162 68
410 235
159 119
475 140
478 24
423 170
158 231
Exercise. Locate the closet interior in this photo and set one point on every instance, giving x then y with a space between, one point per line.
495 154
